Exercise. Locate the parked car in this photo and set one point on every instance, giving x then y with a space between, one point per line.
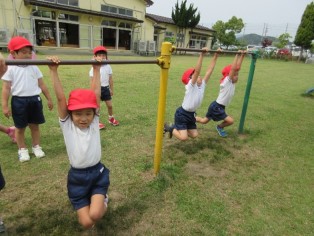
271 49
249 48
283 51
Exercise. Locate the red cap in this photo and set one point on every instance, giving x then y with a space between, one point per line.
187 75
81 99
99 48
225 72
18 42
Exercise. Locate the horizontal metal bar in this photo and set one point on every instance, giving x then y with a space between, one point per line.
76 62
200 50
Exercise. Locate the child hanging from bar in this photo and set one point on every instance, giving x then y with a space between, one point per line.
216 110
88 178
185 123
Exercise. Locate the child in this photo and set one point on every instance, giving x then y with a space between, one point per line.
106 84
88 178
185 123
10 131
25 84
3 69
216 110
2 184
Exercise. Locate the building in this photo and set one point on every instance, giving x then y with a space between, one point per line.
117 24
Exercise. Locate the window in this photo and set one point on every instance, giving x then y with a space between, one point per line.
109 23
53 1
125 25
41 13
180 37
73 3
168 34
68 17
117 10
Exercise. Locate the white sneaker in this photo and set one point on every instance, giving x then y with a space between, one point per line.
23 155
37 150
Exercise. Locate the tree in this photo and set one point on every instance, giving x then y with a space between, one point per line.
184 18
226 32
305 32
266 42
283 40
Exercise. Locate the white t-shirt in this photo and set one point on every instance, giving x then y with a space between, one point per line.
105 72
226 92
24 80
82 145
193 96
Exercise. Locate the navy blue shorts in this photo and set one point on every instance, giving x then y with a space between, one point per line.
27 110
216 112
105 94
84 183
184 120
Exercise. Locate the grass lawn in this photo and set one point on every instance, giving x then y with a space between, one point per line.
256 183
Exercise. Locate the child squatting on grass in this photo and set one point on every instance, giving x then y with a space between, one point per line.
25 84
185 123
88 178
216 110
106 82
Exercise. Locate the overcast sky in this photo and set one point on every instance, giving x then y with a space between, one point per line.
263 17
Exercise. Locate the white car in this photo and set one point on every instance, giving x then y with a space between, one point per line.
270 49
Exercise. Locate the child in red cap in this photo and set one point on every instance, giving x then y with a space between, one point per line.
216 110
88 178
185 123
25 84
106 84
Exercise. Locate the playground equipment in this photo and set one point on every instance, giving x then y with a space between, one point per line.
164 62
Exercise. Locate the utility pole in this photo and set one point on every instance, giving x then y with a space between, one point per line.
266 30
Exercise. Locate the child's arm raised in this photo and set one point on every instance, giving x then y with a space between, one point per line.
211 66
198 66
234 67
95 83
240 60
57 86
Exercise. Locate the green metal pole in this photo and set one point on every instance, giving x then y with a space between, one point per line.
247 91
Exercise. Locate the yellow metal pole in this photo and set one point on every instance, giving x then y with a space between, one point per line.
164 63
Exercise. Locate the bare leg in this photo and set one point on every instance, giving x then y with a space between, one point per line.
227 122
35 134
202 120
20 137
180 134
193 133
4 129
89 215
109 107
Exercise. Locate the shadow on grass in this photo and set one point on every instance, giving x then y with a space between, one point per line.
121 220
308 95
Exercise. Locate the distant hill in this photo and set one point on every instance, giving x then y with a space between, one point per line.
255 39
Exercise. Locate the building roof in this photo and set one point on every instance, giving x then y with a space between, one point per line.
81 10
167 20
